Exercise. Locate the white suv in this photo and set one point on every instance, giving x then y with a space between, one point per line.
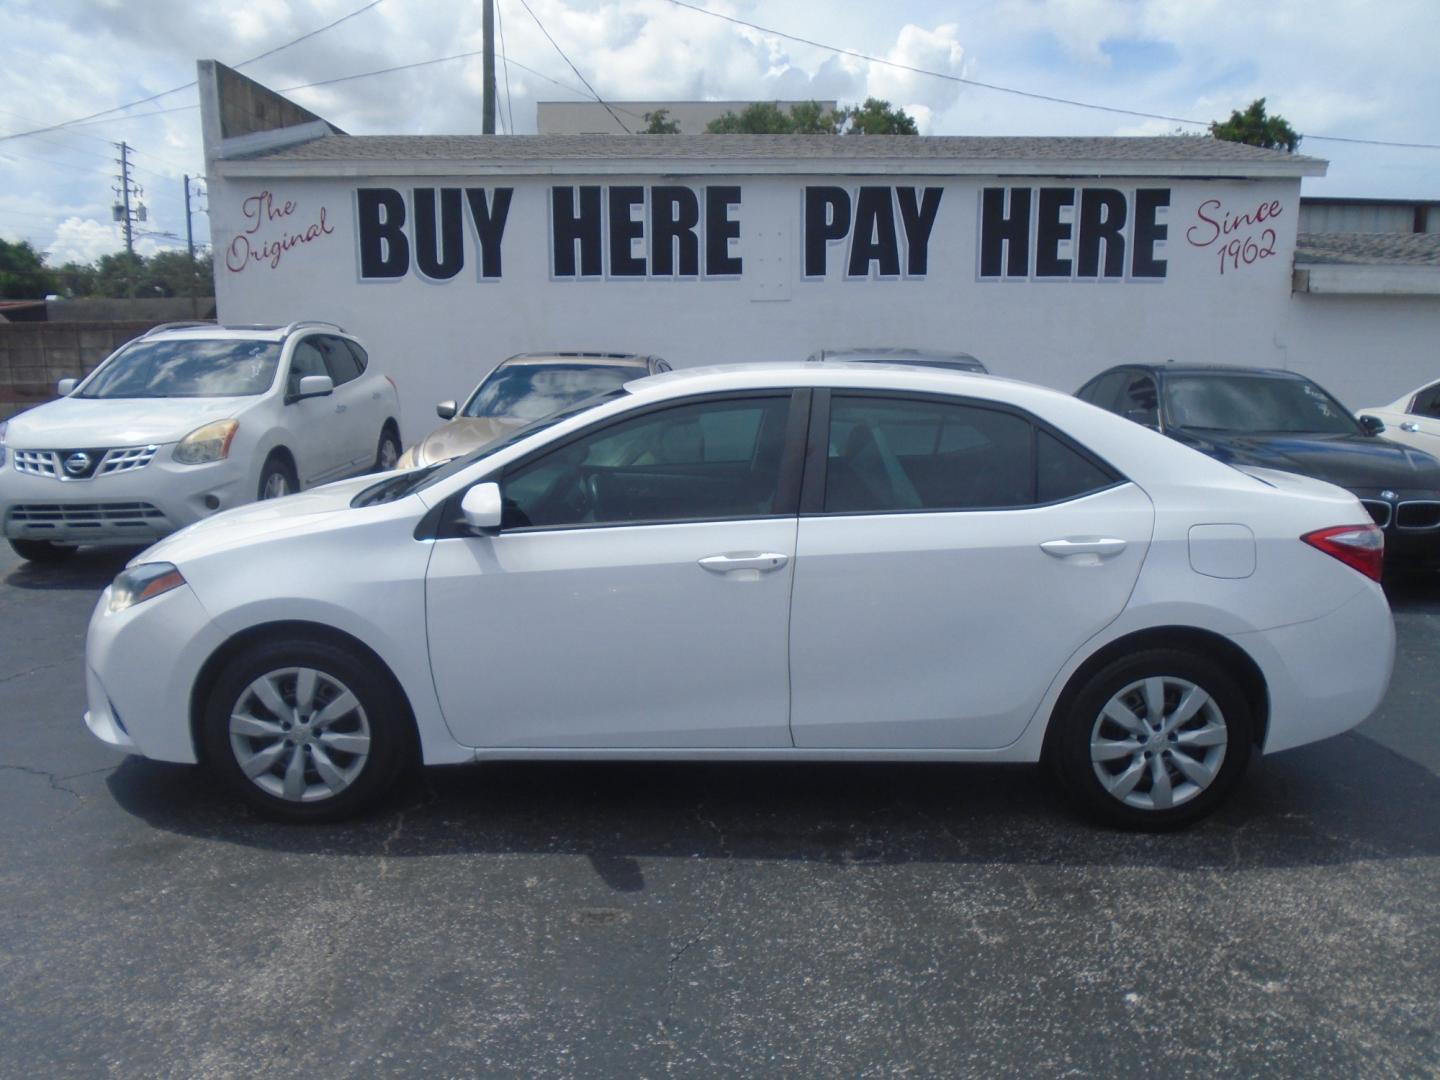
187 420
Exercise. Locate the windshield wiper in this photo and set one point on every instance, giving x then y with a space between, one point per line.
397 487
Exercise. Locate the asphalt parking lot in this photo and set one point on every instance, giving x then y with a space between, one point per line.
622 920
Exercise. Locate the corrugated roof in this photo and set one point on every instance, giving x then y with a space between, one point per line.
500 149
1367 249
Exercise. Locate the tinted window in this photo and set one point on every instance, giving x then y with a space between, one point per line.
1065 473
340 362
158 369
1254 403
530 391
362 361
893 454
1102 389
1427 402
712 459
1140 401
305 360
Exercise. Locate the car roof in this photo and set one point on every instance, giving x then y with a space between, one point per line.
1206 369
208 331
888 355
597 359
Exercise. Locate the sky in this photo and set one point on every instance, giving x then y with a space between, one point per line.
1333 69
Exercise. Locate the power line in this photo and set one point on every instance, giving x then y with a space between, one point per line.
509 104
187 86
1010 89
526 5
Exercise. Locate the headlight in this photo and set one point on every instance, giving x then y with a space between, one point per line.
143 582
208 443
410 459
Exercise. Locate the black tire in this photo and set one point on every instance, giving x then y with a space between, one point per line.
277 470
387 450
42 551
380 714
1069 749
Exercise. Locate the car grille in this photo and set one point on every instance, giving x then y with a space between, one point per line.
1380 511
1417 515
102 462
138 515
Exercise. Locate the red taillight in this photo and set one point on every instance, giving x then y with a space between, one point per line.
1361 547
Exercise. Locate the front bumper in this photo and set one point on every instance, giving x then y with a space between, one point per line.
135 507
140 668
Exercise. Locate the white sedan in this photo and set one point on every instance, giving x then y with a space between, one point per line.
841 562
1413 419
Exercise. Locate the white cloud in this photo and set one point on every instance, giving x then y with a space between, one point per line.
82 240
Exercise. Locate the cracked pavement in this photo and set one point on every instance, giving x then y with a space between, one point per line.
747 920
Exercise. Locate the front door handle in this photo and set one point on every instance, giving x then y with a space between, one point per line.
1410 425
1102 547
763 561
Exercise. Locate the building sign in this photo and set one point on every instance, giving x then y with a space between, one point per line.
869 232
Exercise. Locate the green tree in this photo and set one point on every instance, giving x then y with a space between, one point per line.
172 274
23 274
659 123
76 279
877 117
1254 127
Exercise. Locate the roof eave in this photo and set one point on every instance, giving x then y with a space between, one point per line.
292 168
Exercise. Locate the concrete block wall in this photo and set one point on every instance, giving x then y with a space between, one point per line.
35 356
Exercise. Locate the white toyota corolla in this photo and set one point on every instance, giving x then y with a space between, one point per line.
832 563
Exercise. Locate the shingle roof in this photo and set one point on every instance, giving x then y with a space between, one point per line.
1367 249
517 148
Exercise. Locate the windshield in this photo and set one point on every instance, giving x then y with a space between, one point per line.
397 487
1249 403
195 368
532 391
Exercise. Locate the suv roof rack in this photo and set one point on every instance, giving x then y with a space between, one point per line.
292 327
174 326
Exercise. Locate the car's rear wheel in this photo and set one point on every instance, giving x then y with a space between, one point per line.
1153 741
387 453
43 551
305 730
277 478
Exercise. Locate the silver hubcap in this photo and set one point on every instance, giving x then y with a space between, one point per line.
389 454
276 485
1158 743
299 734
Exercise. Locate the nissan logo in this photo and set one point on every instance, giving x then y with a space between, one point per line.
1386 494
77 463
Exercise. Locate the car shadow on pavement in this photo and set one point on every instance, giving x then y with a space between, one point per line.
88 570
1345 800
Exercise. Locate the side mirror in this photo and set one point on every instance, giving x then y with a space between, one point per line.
446 410
1372 425
481 508
65 386
315 386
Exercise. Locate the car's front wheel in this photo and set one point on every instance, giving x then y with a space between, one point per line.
277 479
43 551
387 452
305 730
1153 741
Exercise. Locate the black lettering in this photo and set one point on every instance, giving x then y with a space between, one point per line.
720 230
1050 231
674 220
874 239
1148 233
439 246
1102 220
489 224
570 227
827 218
384 251
917 214
1005 237
624 229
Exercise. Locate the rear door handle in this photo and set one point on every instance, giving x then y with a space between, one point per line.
744 560
1103 547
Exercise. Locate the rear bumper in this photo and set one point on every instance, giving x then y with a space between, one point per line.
1326 675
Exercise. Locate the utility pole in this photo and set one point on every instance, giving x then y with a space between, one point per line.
125 187
487 106
189 232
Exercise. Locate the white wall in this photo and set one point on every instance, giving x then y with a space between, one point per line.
439 338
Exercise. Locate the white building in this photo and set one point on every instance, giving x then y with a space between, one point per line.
1049 258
